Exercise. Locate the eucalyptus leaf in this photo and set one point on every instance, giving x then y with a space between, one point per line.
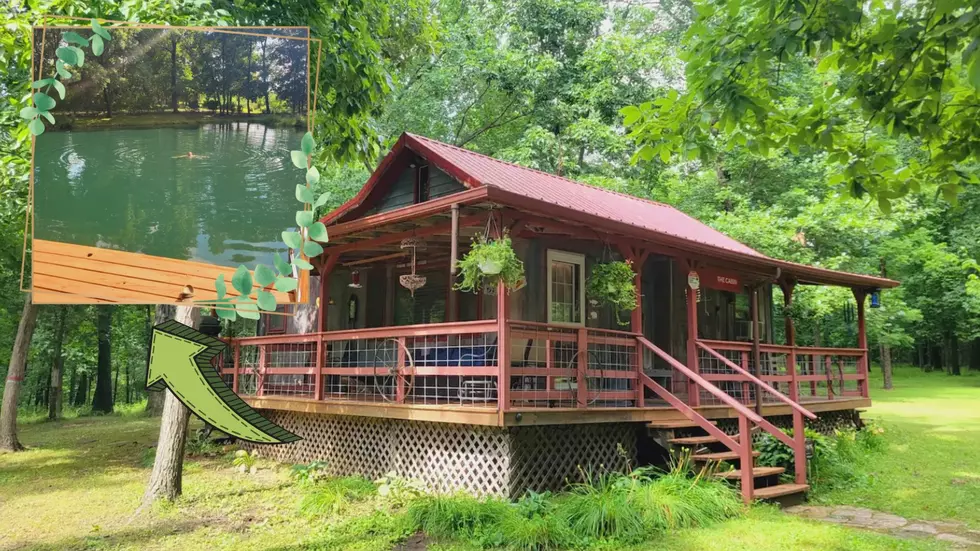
292 239
322 200
312 177
286 284
66 55
281 265
242 281
100 30
97 45
60 88
79 56
226 312
312 249
43 102
304 218
299 159
266 301
60 68
308 144
43 82
28 113
74 38
220 287
318 232
247 310
302 264
36 127
47 115
304 194
264 275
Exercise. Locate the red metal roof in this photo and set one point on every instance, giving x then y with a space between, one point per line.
477 170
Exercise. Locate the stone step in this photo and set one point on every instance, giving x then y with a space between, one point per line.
756 473
719 456
779 490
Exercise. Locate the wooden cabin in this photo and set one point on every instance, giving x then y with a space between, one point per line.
498 392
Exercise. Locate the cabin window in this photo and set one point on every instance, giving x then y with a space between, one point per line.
275 323
422 184
566 288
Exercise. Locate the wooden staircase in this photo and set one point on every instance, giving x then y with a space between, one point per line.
710 445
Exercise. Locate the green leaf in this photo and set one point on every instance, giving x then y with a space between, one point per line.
36 127
292 239
242 281
220 287
281 264
99 30
318 232
247 310
321 200
308 144
226 312
312 249
304 194
47 115
974 71
60 67
312 176
304 218
79 55
264 275
299 159
286 284
60 88
28 113
43 102
66 55
43 82
266 301
97 45
72 37
302 264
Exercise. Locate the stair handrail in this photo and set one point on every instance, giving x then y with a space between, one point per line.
689 412
762 384
702 382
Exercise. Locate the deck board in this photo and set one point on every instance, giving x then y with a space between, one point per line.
64 273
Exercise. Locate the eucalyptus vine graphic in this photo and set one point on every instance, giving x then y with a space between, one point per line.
69 57
302 242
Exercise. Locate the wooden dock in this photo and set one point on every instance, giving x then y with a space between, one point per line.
63 273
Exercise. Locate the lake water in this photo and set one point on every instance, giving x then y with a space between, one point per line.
123 189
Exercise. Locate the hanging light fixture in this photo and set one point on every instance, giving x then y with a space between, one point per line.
412 281
355 279
876 298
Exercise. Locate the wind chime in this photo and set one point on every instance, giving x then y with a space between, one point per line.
412 281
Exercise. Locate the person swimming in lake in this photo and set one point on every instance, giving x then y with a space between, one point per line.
191 155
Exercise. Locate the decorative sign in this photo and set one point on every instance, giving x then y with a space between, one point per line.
693 281
722 281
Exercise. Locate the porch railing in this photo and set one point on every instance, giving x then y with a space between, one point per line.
802 373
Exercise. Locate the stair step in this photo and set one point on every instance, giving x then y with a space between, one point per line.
697 440
675 424
719 456
778 490
756 473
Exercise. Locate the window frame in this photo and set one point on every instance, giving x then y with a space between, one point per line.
269 329
578 260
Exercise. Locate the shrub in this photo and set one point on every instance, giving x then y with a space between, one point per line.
310 473
836 459
460 516
334 495
398 490
602 508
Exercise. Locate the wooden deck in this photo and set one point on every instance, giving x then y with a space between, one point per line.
476 415
63 273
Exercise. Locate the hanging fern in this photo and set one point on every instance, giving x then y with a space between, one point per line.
612 283
488 262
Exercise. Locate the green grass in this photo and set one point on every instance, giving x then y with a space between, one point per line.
931 467
82 478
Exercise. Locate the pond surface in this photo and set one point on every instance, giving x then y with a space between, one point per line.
124 189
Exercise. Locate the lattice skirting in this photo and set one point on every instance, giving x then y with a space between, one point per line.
452 457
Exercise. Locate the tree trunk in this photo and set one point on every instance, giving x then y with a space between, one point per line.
155 398
886 366
15 376
265 77
173 70
921 348
975 354
248 79
954 354
102 400
108 102
165 480
58 367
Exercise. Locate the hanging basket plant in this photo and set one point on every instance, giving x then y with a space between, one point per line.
487 263
612 283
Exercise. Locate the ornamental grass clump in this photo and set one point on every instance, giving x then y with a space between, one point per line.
334 495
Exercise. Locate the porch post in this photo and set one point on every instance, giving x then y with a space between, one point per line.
788 286
693 394
636 316
503 338
326 267
859 296
756 350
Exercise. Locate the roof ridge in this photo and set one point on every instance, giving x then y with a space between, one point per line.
522 167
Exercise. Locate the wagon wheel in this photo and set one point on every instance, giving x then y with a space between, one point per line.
840 380
386 373
593 359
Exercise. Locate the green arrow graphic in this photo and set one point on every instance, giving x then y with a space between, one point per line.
180 359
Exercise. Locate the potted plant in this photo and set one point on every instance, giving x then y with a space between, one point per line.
612 283
488 262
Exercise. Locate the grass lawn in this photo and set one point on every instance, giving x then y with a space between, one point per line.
931 469
79 484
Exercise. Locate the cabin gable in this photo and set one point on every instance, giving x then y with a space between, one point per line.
412 181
